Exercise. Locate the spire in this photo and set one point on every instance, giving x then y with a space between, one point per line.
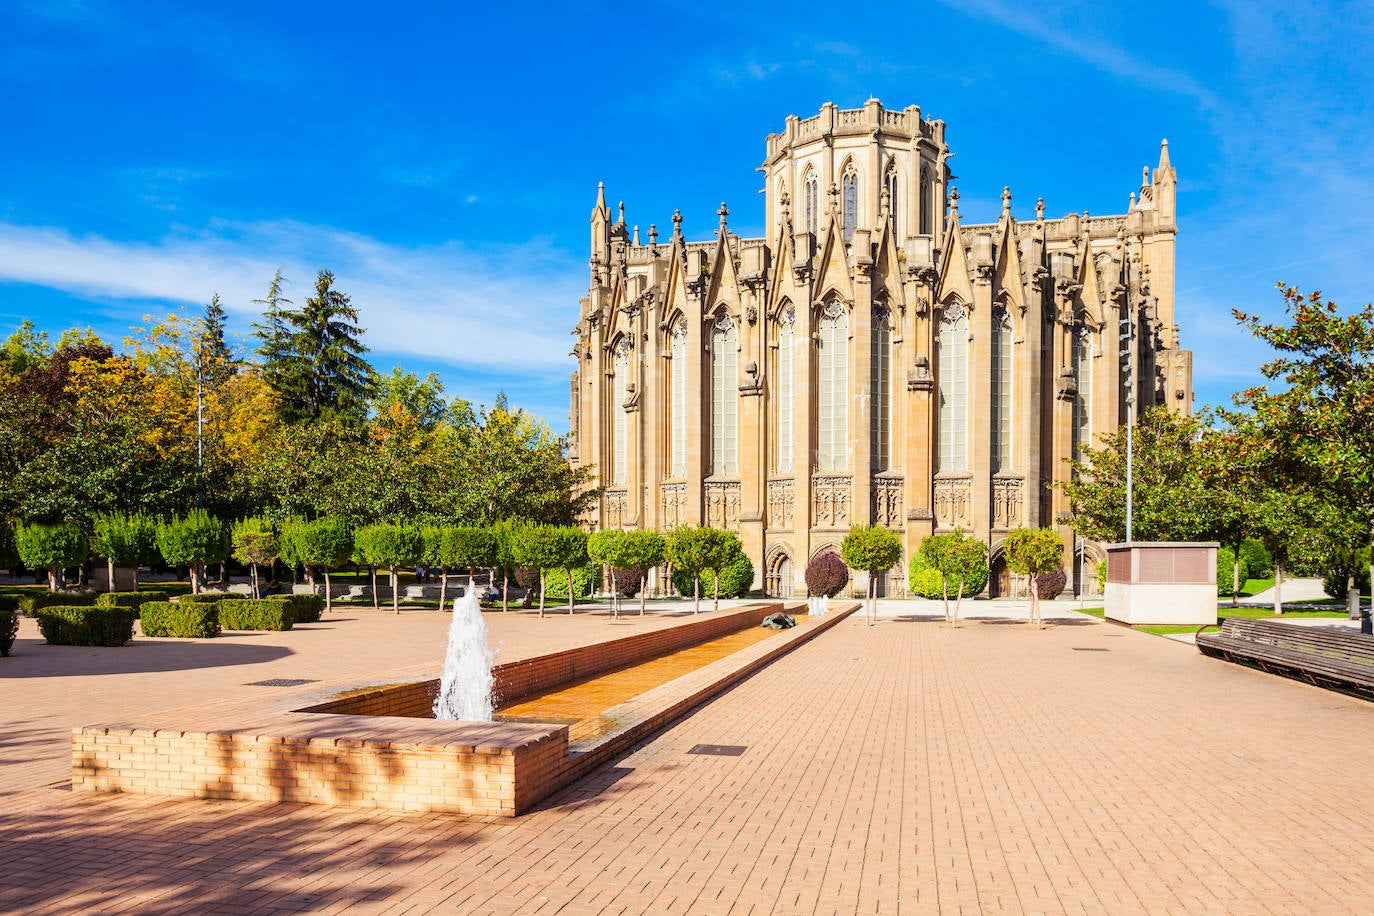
621 221
722 213
1006 202
601 195
636 235
677 224
1164 155
953 204
1040 209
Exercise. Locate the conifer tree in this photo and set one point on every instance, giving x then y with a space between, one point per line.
274 336
213 360
327 343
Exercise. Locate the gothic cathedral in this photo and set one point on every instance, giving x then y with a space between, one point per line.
871 358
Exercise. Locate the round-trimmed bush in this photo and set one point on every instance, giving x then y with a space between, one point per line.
1051 585
924 580
191 620
826 574
735 580
629 581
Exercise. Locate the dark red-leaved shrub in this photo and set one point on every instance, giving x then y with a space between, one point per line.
826 575
1051 585
628 581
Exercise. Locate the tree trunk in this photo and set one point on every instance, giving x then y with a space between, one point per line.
110 561
944 590
716 580
959 598
195 578
1235 580
696 594
52 578
505 587
135 567
395 592
872 601
376 602
253 580
1278 589
1352 595
328 592
615 594
571 589
541 593
1035 601
443 586
643 593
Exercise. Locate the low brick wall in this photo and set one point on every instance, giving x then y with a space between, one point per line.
243 751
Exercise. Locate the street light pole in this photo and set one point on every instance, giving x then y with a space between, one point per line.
1127 337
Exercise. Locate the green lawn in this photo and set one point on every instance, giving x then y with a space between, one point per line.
1250 613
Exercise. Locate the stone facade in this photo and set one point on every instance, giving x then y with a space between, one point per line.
872 358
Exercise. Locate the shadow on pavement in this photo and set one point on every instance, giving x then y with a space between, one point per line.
35 658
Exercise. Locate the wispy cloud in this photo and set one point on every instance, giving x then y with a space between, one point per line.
480 309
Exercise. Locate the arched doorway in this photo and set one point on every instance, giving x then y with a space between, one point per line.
999 578
778 582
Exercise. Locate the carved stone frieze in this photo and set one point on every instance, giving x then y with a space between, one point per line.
781 496
954 502
830 502
674 504
1006 501
887 501
722 504
617 505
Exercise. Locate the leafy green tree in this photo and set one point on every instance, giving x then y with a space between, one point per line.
875 550
1325 372
51 547
124 539
457 545
722 548
601 548
634 550
688 549
390 546
506 533
1033 552
570 548
324 543
955 555
26 347
255 543
193 540
422 399
538 547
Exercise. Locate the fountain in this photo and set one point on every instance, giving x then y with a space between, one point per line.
465 689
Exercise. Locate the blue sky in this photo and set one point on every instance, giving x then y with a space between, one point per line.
443 160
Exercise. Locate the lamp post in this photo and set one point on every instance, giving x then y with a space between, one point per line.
1127 340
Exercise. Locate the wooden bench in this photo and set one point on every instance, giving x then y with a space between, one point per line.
1336 659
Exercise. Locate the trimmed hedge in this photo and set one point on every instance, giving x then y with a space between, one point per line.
256 614
77 625
735 580
9 628
133 600
586 578
924 580
305 608
9 603
209 597
31 604
188 621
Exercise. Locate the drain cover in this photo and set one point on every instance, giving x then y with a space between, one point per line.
1090 649
718 750
282 682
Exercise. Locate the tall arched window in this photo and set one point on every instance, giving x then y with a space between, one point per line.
1001 389
927 202
893 201
677 424
832 389
1083 382
812 203
724 397
953 359
787 342
850 189
880 384
620 458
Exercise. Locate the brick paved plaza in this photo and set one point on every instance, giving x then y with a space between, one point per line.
904 767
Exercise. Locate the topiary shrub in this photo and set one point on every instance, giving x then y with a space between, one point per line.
256 614
9 629
1258 561
31 603
924 580
306 608
1051 585
1226 557
9 603
74 625
826 574
628 581
586 578
188 621
735 580
209 598
134 600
